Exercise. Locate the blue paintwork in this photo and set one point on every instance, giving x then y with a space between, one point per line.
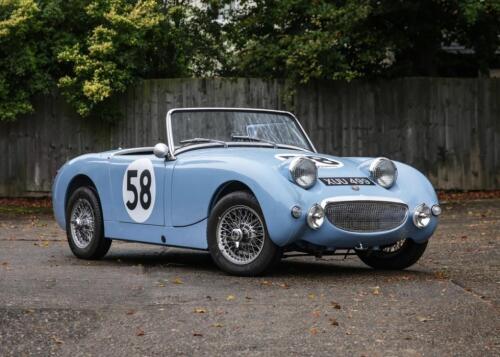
187 186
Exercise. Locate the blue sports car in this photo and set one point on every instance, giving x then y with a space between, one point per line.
248 186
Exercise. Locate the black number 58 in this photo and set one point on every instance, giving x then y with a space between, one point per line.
144 194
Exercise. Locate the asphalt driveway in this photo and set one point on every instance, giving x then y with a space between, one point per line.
147 300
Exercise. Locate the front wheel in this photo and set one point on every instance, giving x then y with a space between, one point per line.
84 225
397 256
237 236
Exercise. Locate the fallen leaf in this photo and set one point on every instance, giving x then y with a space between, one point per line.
230 297
441 275
248 298
130 312
333 322
423 318
335 305
177 281
29 311
217 325
57 340
313 331
284 286
265 283
140 332
311 296
197 334
199 310
376 290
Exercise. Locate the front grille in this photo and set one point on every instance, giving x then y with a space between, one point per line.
366 216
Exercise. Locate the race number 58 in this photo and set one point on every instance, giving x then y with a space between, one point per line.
139 189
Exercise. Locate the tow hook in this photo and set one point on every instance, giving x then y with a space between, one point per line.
360 247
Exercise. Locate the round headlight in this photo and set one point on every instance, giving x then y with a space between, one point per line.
422 216
304 172
384 172
315 216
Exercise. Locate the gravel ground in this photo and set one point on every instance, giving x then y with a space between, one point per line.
146 300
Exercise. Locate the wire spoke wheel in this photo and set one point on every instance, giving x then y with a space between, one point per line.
82 223
240 234
394 248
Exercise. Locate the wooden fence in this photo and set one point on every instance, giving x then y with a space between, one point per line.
447 128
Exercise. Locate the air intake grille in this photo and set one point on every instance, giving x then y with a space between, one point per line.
366 216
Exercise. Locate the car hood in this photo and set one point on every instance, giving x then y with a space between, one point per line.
328 165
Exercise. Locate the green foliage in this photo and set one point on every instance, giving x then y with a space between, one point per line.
20 68
321 39
93 50
302 40
109 56
478 27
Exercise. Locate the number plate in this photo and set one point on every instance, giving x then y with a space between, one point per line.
346 181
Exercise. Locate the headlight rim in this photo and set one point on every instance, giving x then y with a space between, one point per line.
376 162
419 210
293 166
310 214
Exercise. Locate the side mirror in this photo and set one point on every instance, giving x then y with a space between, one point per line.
160 150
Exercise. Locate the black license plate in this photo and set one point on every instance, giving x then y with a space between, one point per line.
346 181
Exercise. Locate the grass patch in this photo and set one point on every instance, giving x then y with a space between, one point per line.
24 210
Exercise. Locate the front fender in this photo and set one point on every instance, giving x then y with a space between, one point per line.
87 165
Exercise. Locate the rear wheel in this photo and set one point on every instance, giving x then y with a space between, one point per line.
84 225
237 236
400 255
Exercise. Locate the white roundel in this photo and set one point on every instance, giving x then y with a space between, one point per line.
139 189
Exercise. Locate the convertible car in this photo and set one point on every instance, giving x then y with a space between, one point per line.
248 186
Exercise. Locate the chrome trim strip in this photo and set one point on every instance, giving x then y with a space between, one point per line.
375 163
231 144
132 150
360 198
168 119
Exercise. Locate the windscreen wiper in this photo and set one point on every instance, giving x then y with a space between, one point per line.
253 138
201 140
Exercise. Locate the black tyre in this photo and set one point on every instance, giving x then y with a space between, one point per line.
237 236
397 256
84 225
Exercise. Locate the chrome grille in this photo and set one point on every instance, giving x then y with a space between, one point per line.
366 216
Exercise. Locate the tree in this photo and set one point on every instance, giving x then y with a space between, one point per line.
478 27
303 40
21 69
345 39
94 50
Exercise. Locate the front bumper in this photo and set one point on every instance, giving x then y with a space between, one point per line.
332 237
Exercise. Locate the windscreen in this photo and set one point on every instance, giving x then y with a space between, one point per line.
237 126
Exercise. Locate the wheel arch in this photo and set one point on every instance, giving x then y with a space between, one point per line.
80 180
227 188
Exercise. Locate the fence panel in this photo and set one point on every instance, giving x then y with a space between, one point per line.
448 128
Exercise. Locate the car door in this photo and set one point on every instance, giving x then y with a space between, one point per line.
138 188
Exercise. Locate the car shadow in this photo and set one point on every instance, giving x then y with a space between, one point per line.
200 261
